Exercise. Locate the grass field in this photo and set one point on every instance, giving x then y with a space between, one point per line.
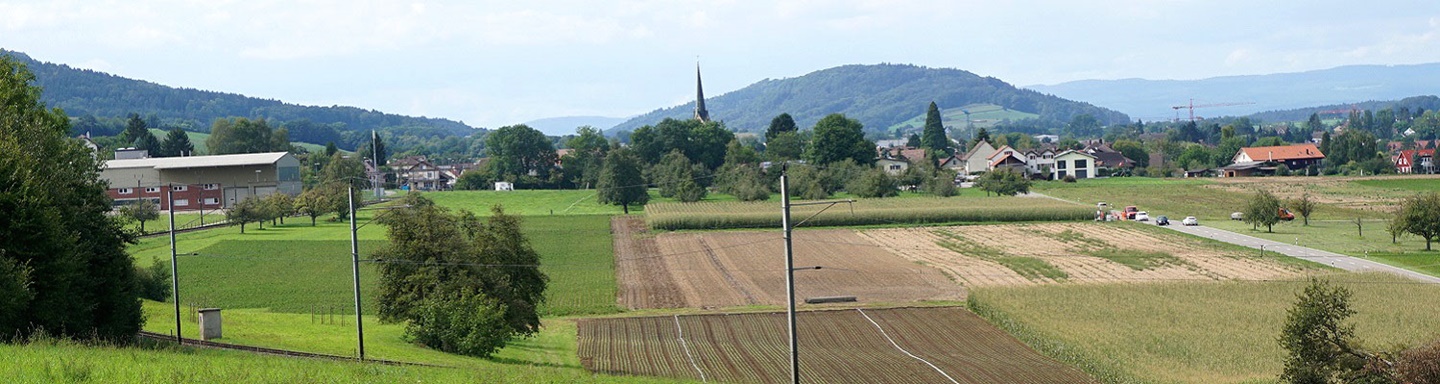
982 115
297 268
1194 332
53 361
919 210
1412 184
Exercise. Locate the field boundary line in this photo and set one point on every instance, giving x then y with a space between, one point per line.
897 346
686 347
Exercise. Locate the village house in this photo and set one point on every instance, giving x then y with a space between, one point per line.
1006 157
1406 161
976 160
1079 164
1266 160
1040 160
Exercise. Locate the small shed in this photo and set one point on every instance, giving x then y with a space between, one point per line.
504 186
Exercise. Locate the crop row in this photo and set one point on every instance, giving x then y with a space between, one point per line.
722 215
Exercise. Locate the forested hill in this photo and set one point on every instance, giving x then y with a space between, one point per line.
83 92
877 95
1415 103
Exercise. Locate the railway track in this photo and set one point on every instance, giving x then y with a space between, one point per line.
270 351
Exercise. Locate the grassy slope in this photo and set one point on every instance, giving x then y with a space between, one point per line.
65 362
1194 332
1423 185
983 115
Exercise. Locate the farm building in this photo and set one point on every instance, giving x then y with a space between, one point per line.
202 182
1074 163
976 160
1265 160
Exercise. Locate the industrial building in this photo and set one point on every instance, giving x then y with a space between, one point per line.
202 182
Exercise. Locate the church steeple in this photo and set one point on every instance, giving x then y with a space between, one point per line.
700 112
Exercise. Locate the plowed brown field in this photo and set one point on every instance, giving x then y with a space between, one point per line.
1063 245
723 269
901 345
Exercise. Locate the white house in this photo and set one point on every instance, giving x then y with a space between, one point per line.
978 158
1007 157
1040 160
1074 163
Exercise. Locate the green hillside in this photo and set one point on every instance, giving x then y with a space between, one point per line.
880 96
981 115
198 139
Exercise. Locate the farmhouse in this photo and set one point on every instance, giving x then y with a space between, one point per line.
1265 160
1074 163
202 182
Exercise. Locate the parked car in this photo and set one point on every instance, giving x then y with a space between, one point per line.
1162 220
1142 216
1130 212
1237 216
1190 220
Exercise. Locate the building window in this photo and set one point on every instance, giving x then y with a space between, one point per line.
1080 164
212 201
210 187
1061 165
179 188
126 191
152 189
182 203
894 167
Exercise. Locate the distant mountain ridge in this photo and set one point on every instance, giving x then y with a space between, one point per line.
879 96
1154 99
82 92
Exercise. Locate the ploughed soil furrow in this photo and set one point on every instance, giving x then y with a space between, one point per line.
640 271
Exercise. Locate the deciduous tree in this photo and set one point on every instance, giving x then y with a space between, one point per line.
63 264
518 151
621 182
1304 206
838 138
873 183
1321 347
141 210
1004 182
461 285
1263 209
1420 215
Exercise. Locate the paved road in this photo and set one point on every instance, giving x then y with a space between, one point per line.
1328 258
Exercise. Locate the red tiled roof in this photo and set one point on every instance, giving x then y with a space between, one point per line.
1284 152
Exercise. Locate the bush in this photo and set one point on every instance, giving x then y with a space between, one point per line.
468 324
153 282
874 183
942 185
1069 178
1420 364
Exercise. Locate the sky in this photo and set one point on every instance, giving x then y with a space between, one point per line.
496 63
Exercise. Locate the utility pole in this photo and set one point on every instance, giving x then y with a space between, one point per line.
789 274
355 263
174 266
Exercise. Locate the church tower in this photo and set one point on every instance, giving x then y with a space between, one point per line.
700 112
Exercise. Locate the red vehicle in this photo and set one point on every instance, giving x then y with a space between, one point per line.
1130 212
1285 215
